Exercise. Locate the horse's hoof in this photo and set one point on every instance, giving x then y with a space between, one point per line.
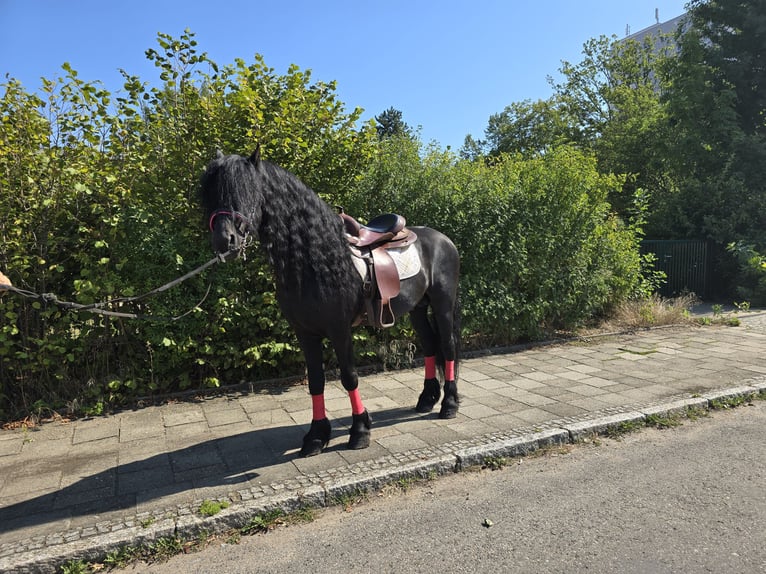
451 401
429 397
360 431
448 411
318 437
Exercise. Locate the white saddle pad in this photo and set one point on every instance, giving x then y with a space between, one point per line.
406 259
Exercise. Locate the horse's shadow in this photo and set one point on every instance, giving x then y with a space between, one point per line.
231 460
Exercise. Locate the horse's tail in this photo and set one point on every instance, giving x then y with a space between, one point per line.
456 328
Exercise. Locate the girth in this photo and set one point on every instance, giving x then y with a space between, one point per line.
371 243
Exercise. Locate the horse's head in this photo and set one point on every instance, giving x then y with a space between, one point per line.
232 200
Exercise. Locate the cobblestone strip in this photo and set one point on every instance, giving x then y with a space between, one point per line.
46 554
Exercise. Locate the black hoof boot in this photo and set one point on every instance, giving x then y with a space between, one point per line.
317 438
429 397
450 402
360 431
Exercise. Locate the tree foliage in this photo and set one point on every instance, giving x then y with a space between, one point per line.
539 249
716 99
613 100
98 200
528 128
683 118
607 104
390 123
730 36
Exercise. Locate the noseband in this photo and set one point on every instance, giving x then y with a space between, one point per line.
242 224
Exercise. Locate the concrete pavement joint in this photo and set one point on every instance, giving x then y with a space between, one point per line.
45 553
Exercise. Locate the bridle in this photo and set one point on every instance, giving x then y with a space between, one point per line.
243 230
242 224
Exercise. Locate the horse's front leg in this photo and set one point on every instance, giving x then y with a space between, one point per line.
359 435
318 436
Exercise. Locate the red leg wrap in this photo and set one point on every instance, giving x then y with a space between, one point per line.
449 370
317 402
357 407
430 367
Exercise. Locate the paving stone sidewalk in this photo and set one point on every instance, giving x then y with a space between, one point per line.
78 489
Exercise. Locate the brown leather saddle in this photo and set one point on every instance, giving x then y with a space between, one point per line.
371 243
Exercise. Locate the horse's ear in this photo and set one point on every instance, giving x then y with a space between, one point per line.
218 154
255 157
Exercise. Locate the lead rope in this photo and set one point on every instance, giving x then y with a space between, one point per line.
98 308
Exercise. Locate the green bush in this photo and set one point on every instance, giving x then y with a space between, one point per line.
540 249
751 285
99 201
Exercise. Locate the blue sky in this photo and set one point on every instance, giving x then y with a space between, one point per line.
446 65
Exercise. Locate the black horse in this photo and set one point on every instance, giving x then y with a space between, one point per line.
318 288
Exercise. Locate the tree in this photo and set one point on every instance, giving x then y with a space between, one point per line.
472 149
716 99
613 100
390 123
528 128
732 38
608 104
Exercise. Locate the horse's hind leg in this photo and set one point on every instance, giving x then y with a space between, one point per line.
429 342
446 316
359 435
318 436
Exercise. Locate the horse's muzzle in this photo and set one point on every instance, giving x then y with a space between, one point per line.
224 243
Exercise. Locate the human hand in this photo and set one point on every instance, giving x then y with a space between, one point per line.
4 281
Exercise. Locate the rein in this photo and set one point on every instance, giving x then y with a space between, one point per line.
98 308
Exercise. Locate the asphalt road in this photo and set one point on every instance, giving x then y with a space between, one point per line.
690 499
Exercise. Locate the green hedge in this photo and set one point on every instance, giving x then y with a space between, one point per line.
98 200
540 249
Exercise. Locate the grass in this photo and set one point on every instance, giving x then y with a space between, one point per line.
654 311
122 557
264 522
623 428
166 547
147 522
76 567
348 500
657 311
665 421
495 462
696 413
731 402
551 451
212 507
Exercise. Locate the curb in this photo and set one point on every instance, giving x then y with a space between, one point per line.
45 554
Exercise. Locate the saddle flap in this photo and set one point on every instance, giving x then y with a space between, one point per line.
388 284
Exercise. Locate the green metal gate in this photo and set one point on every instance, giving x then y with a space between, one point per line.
685 262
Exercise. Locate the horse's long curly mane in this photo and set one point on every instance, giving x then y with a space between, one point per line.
302 235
